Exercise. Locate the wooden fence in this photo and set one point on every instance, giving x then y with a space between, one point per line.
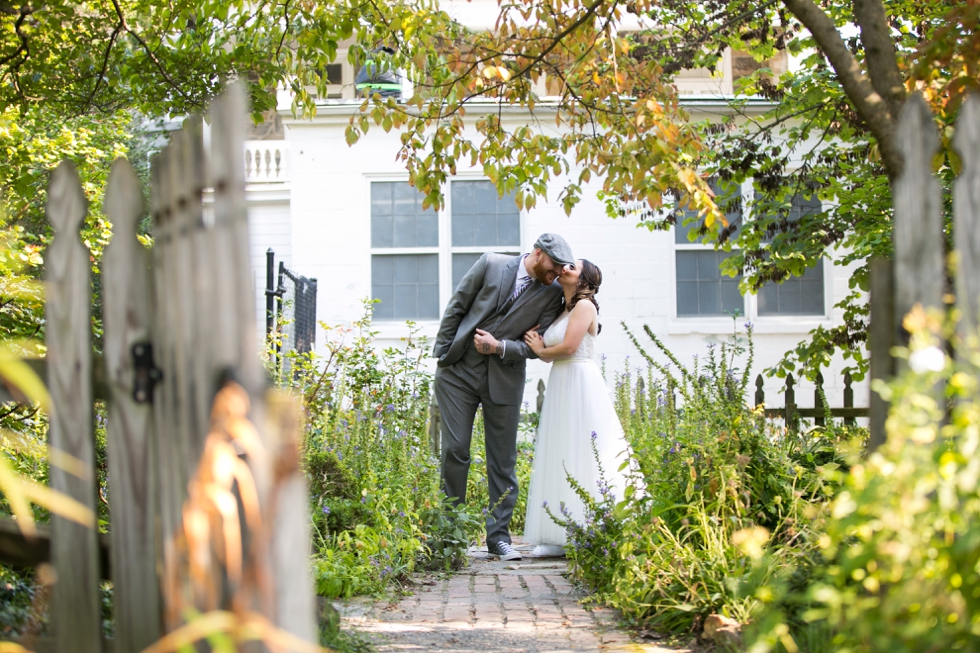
195 440
918 274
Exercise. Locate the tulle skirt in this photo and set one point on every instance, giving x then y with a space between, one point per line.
578 431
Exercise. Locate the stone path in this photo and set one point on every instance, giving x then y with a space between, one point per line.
494 606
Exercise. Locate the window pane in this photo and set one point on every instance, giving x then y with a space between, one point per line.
731 298
482 219
687 266
461 265
709 299
509 229
407 285
427 225
708 265
410 227
728 196
795 295
404 231
812 292
485 229
381 230
701 290
687 298
381 199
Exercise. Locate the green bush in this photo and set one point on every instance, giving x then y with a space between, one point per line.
377 512
898 552
720 498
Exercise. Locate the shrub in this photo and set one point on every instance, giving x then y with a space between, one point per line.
720 499
899 552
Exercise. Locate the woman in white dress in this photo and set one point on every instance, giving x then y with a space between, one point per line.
577 412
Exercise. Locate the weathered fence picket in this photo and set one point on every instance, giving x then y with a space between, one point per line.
790 412
186 308
130 430
966 217
76 605
920 272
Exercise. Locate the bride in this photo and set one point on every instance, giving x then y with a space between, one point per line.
577 413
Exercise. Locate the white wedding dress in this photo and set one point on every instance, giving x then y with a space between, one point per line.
577 409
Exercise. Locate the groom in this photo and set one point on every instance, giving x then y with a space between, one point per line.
481 362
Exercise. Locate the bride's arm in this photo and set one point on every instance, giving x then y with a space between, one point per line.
582 317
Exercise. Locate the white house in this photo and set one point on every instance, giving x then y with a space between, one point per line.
347 217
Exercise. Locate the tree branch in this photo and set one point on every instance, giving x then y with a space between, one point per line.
879 54
868 103
105 59
25 11
149 52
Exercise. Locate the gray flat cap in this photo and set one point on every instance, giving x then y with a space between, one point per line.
555 246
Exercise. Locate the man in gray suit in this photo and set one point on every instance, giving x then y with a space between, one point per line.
482 358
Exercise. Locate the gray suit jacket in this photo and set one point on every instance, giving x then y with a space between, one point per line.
480 293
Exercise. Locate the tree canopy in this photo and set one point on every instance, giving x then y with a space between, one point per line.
827 128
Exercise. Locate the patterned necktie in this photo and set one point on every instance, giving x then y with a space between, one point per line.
519 290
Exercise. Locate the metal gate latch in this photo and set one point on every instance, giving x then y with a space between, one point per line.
145 373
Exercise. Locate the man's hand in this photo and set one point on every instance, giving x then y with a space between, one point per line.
486 343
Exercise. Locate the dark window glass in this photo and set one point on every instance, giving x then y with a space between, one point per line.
728 196
480 218
407 285
795 295
397 217
701 288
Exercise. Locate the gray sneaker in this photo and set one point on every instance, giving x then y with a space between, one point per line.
505 551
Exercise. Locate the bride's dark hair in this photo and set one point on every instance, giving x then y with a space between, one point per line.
589 280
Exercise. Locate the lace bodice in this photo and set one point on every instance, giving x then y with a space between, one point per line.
556 333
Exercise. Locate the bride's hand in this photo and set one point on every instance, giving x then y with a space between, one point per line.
534 341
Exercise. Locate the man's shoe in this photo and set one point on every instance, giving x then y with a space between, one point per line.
505 551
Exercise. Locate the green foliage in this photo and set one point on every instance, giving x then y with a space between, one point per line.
898 553
720 500
377 511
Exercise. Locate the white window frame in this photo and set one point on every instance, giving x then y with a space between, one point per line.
770 324
395 328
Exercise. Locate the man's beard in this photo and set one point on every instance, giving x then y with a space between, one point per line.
539 272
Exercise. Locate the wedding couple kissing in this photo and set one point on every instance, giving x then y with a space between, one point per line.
505 310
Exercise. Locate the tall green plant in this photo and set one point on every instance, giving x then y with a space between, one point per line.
715 487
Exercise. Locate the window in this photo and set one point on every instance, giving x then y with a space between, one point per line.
481 222
413 271
701 288
405 254
702 291
796 295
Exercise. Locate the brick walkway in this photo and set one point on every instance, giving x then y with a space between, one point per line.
494 606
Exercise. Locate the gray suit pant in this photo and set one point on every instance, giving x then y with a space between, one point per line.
460 389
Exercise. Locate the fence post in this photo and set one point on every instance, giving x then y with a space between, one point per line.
966 217
171 457
132 469
270 292
76 605
789 405
882 336
818 401
760 394
848 398
920 270
292 597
